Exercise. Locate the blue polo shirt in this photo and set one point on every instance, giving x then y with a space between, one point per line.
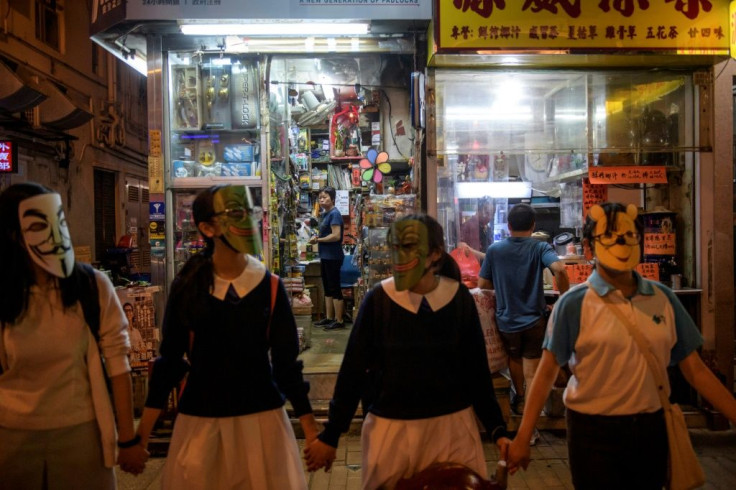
331 250
515 267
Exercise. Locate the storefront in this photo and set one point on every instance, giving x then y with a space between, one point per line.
566 104
284 106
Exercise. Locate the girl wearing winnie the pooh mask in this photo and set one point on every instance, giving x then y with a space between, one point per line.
615 422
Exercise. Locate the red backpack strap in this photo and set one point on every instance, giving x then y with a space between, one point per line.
274 292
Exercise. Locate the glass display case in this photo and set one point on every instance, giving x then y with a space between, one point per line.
379 211
533 135
214 130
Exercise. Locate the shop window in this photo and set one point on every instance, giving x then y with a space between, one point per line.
104 212
49 22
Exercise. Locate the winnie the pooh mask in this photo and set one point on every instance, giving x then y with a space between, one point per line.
617 244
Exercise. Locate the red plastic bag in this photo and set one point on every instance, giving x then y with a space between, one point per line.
469 266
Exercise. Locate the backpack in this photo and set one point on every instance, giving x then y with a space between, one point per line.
89 298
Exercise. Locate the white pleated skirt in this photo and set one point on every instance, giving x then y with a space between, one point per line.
249 452
395 449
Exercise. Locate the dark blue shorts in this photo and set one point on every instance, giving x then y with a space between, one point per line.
330 269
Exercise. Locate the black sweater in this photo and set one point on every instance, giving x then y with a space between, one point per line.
229 370
408 365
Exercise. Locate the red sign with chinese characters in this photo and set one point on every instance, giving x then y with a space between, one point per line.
8 157
627 175
579 273
593 194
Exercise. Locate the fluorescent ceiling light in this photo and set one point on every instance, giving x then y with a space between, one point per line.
278 29
474 190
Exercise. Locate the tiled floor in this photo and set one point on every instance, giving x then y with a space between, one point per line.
548 470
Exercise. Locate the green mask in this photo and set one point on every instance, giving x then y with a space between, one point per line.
409 251
234 210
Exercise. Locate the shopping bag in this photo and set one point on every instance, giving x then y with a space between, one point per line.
469 266
685 471
485 303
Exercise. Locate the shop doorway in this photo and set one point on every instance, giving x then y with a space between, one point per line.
104 212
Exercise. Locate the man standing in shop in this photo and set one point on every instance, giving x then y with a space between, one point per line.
331 257
477 232
514 268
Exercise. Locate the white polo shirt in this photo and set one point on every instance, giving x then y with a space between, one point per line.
610 375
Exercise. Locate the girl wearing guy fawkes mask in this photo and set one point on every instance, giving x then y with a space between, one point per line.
615 422
57 428
417 357
231 430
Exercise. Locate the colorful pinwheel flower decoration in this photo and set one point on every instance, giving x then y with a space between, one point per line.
374 166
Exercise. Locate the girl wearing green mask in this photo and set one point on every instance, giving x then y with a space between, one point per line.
232 430
416 357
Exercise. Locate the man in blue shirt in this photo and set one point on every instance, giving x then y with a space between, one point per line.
514 267
331 256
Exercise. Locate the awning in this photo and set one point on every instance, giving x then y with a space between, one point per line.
20 89
60 110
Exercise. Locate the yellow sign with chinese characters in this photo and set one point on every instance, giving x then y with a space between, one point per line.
684 26
732 26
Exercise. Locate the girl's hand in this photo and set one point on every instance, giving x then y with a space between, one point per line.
133 459
519 455
318 455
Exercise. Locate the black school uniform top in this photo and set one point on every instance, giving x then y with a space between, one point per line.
230 373
412 357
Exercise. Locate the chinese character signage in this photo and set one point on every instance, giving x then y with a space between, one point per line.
627 175
593 194
682 25
659 244
732 26
648 270
8 157
579 273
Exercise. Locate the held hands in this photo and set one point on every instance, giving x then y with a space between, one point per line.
133 459
519 455
313 239
317 454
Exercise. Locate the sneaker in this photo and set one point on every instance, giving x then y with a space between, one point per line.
335 326
517 405
324 322
535 437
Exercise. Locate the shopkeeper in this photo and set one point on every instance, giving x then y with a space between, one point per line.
331 256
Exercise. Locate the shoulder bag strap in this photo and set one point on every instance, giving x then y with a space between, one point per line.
646 350
274 292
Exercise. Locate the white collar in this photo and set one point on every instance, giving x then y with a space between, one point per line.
251 277
437 298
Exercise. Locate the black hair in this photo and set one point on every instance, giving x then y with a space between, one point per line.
330 191
196 279
611 209
522 217
445 265
18 275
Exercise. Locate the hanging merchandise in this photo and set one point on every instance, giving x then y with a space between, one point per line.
374 166
345 133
